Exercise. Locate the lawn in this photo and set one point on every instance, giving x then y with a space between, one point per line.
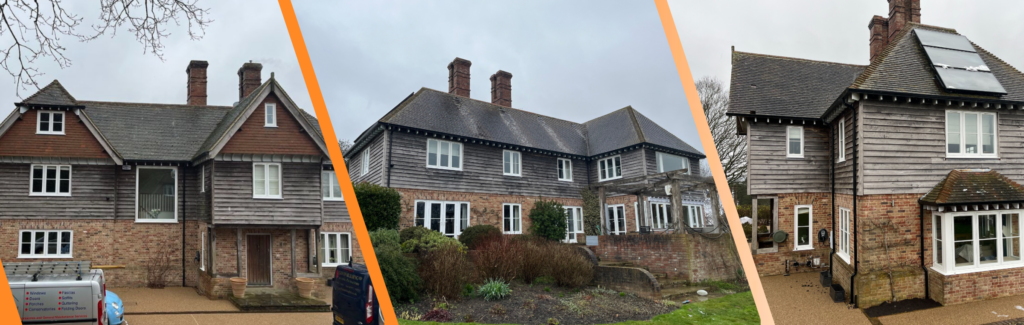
733 309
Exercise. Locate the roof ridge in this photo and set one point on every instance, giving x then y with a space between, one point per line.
506 107
870 70
798 59
54 83
154 104
636 124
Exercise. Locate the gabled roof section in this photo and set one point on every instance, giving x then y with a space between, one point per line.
52 95
155 132
778 86
974 186
654 134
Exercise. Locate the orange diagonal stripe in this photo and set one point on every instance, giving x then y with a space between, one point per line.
8 313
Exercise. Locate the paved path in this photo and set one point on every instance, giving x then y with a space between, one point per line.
800 299
978 312
169 300
231 319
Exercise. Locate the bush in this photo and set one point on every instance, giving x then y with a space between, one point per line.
494 289
413 233
548 220
381 206
537 259
437 315
445 271
499 258
403 282
428 242
474 234
591 212
569 267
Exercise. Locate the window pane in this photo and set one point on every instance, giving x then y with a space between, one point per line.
420 210
579 220
570 224
344 250
561 170
332 248
51 242
153 201
449 219
443 149
51 179
603 170
937 226
618 170
803 216
270 114
37 179
506 158
1011 234
456 155
58 123
516 161
465 217
325 184
435 216
794 141
44 122
516 218
621 218
987 239
259 179
431 152
26 243
274 176
336 186
65 179
963 246
953 132
670 163
40 240
65 242
962 228
507 218
970 133
988 137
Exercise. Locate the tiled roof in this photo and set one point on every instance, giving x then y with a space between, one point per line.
974 186
781 86
53 94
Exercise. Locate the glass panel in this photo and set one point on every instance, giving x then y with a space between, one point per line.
152 201
670 162
507 217
507 162
65 179
344 249
952 132
937 228
516 218
465 217
431 152
51 242
435 216
332 248
621 219
274 177
449 219
516 162
443 148
325 184
1011 237
803 217
618 169
270 114
603 170
58 122
957 79
954 59
51 179
570 223
259 180
37 179
420 210
579 219
561 170
40 239
456 155
794 141
44 122
944 40
987 239
963 235
26 243
988 137
336 187
970 133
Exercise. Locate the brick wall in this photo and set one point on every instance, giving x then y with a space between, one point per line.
227 262
21 139
774 263
485 209
687 256
287 138
888 240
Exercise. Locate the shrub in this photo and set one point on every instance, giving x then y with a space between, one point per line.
413 233
499 258
548 220
494 289
474 234
428 242
536 259
445 271
591 212
381 206
569 267
437 315
399 271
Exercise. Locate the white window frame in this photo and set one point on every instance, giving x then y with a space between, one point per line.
176 181
948 267
613 225
963 135
576 220
270 115
364 167
661 215
512 224
266 181
788 138
609 164
331 180
71 249
796 228
462 158
515 163
661 167
31 180
202 179
427 216
842 141
202 250
39 122
342 258
566 166
696 214
843 239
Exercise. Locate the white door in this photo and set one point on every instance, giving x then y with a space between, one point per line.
573 223
616 219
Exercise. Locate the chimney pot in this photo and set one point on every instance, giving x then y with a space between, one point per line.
196 89
458 77
249 78
501 88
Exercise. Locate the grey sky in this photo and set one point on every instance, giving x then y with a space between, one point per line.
115 69
569 60
827 30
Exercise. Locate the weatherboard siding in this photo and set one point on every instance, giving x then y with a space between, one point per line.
336 211
376 164
771 172
844 169
92 194
301 196
904 147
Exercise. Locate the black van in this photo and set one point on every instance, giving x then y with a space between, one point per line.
355 302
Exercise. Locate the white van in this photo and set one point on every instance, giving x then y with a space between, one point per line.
57 292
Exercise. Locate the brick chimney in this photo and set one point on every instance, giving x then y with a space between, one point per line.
901 12
196 90
249 78
879 28
458 77
501 88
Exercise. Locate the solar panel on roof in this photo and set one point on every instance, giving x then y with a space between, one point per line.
956 79
943 58
944 40
957 63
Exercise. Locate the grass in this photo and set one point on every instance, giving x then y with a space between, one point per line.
732 309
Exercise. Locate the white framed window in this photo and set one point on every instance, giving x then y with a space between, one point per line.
667 162
512 163
609 168
616 215
794 142
564 169
270 115
46 243
330 186
447 217
971 135
337 248
694 214
202 179
444 154
843 237
266 180
512 218
364 167
841 149
156 194
804 217
661 215
976 241
573 223
50 122
50 180
202 251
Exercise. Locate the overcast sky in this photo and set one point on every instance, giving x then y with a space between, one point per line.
115 68
831 30
570 60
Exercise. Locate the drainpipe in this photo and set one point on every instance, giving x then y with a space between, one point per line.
923 267
184 206
856 250
832 253
391 141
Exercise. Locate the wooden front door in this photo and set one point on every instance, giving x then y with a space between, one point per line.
258 259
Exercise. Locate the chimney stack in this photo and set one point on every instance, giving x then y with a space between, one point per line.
458 77
196 90
879 28
249 78
901 12
501 88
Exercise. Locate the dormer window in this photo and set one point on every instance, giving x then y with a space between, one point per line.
50 122
270 115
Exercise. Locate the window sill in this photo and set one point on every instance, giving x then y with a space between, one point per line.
977 269
333 265
844 257
972 157
44 194
445 168
795 157
334 200
610 179
270 126
48 133
513 175
156 221
798 249
43 256
512 233
268 198
565 180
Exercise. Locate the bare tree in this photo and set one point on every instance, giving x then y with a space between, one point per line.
732 149
35 29
344 144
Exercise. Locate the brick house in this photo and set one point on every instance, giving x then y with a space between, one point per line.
459 162
909 164
204 192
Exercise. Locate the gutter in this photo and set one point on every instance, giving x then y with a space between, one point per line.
856 249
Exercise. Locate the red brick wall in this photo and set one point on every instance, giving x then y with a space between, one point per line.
893 221
286 139
687 256
485 209
227 262
21 139
774 263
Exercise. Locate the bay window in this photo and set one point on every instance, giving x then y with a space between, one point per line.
970 134
976 241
